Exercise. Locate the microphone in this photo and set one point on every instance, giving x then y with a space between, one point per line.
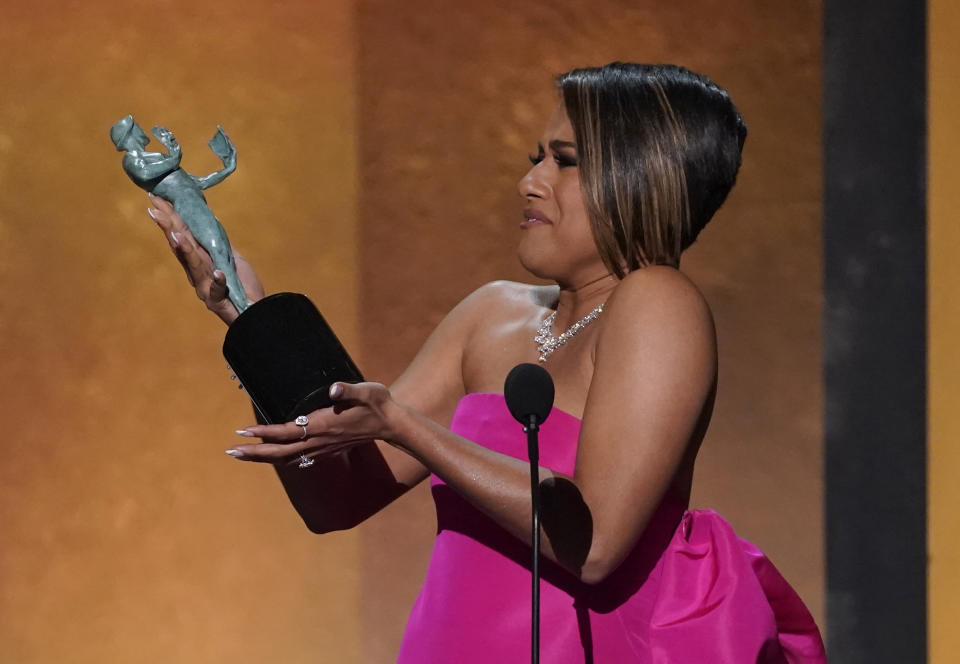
529 393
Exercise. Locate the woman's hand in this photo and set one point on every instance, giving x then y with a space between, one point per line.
360 413
209 284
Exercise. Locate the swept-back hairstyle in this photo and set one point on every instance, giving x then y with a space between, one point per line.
659 150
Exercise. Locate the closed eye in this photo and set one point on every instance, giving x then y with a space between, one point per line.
562 159
565 161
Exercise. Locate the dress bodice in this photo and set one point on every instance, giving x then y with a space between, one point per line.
689 590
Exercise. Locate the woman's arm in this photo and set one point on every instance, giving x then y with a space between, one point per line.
342 489
654 372
655 369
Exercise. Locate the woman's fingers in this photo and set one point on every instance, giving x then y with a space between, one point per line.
209 284
353 418
186 268
284 440
161 204
166 227
317 423
291 453
284 433
347 394
174 232
197 263
195 260
178 235
218 286
165 216
266 452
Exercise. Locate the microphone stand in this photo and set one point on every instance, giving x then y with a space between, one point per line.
533 451
528 391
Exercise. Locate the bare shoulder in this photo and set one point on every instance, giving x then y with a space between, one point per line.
491 306
660 283
507 299
658 301
660 289
503 319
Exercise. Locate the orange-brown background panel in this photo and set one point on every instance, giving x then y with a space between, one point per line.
943 360
126 533
452 98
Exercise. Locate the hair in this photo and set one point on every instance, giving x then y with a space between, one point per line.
659 149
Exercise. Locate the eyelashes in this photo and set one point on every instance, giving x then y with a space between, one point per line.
562 160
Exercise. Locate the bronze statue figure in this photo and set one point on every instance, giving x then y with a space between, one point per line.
160 174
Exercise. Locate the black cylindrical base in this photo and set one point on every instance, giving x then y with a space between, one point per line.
286 357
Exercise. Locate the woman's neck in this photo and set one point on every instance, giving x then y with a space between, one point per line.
576 301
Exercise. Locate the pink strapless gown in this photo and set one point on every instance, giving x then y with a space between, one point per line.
690 592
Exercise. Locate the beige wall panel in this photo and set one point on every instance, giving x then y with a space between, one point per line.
453 97
127 534
944 331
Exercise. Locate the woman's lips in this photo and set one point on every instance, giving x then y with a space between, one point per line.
533 217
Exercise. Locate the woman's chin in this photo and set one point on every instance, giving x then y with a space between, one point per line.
536 264
531 262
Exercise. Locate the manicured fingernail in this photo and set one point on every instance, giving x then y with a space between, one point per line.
217 274
151 211
236 454
176 238
243 432
336 390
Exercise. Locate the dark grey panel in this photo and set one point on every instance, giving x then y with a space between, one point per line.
875 329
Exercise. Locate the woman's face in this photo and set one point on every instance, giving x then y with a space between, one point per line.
556 242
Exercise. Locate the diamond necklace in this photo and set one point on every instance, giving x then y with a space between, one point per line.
547 343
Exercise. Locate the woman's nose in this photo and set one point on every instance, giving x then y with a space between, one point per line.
532 185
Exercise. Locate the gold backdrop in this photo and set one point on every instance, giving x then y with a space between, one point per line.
943 359
379 144
128 535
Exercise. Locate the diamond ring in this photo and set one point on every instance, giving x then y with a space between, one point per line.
305 461
302 421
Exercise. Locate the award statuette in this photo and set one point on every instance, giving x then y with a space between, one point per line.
280 348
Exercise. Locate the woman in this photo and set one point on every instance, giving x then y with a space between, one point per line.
634 161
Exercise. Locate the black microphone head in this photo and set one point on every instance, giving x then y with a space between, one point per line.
528 391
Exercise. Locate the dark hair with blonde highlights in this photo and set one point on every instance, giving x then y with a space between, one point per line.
659 150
